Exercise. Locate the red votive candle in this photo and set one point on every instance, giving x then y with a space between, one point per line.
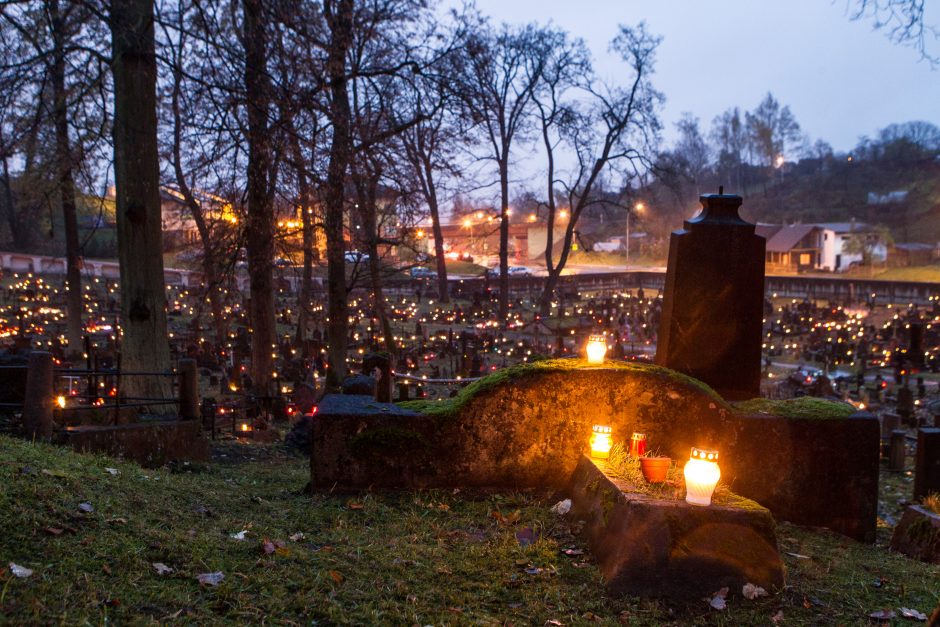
638 445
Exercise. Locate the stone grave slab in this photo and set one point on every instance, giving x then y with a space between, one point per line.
665 547
150 444
527 426
917 534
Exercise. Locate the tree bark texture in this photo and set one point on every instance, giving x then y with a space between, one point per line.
66 185
339 14
259 241
144 346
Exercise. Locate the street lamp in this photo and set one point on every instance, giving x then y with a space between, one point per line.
638 207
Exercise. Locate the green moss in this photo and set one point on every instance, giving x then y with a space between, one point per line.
393 440
451 407
620 465
931 502
803 407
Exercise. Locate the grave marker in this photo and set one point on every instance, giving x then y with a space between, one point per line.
713 302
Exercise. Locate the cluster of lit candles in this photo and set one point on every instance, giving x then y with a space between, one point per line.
701 471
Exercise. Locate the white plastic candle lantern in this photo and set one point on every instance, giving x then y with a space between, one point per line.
596 349
600 442
701 476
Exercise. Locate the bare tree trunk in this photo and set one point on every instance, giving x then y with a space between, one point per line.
210 268
437 232
504 237
136 173
339 19
367 190
66 185
306 221
259 240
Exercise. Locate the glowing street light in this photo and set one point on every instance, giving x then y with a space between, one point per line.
639 207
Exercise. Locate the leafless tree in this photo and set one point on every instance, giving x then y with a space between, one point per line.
616 133
60 65
494 79
145 345
904 23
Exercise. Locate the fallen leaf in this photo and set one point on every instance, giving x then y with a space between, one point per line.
211 579
751 592
506 520
907 612
534 570
117 521
112 602
240 536
112 471
777 618
20 571
337 576
718 599
526 536
106 569
161 568
882 615
86 507
573 552
54 531
562 507
553 621
297 537
268 546
354 505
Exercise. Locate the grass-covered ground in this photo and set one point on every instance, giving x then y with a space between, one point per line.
429 557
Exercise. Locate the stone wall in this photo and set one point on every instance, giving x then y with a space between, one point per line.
529 426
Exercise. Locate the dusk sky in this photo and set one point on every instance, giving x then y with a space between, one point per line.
840 78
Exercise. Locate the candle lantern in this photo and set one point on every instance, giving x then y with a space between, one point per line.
600 442
638 445
701 476
596 349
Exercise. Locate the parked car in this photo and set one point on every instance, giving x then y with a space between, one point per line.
420 272
354 256
511 271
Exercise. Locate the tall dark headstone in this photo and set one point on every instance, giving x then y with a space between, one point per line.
915 348
713 300
927 463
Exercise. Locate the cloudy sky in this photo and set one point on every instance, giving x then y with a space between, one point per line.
840 78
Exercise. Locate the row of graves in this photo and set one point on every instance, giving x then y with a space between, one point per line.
678 470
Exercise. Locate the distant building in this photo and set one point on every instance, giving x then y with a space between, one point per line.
820 246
